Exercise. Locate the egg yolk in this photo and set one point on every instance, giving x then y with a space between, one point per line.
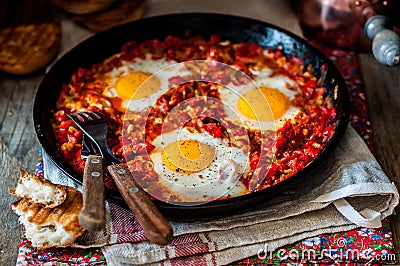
252 104
127 86
187 156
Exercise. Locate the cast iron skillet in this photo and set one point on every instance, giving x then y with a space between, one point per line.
104 44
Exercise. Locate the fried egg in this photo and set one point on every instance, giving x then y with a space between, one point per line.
264 104
197 167
140 83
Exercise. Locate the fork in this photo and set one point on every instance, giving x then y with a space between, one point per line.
156 227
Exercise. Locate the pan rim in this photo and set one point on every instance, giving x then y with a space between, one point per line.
215 206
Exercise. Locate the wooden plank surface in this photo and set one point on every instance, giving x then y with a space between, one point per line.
382 87
18 144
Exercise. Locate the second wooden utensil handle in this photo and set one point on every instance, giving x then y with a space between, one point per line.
154 224
93 214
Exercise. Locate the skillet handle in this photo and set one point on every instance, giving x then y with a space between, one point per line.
154 224
93 214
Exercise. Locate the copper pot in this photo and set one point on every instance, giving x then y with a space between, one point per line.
341 22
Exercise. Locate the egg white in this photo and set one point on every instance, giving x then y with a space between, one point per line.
218 179
231 94
160 69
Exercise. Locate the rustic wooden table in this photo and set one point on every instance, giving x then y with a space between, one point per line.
19 146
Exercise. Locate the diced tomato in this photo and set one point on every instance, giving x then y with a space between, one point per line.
215 38
309 88
297 61
173 42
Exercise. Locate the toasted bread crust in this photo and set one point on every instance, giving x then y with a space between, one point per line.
27 48
25 179
65 215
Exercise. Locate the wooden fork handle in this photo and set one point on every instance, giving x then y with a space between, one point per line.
154 224
93 214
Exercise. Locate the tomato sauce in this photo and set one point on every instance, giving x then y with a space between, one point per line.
294 145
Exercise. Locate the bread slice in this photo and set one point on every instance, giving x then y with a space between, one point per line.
27 48
51 227
36 189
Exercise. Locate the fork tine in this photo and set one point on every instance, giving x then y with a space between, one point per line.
74 118
82 117
95 115
86 115
99 116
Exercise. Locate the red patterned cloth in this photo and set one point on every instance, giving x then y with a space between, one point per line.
355 247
